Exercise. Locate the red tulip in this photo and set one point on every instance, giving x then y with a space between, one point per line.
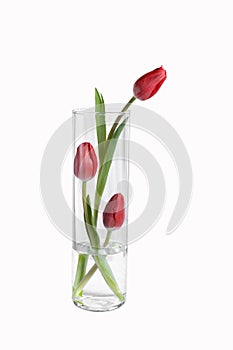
114 212
147 86
85 162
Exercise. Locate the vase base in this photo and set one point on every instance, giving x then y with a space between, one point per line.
98 304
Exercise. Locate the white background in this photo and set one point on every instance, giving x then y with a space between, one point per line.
53 53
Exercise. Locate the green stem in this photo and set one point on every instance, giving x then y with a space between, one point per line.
128 104
107 239
78 288
83 258
111 132
84 281
81 270
84 196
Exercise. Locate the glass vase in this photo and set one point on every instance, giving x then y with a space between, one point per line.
100 206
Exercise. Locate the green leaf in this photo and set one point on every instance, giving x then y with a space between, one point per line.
104 170
100 124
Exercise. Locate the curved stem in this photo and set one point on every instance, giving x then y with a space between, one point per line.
128 104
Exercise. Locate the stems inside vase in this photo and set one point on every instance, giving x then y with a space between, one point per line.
90 219
79 287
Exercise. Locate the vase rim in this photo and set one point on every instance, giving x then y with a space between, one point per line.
78 111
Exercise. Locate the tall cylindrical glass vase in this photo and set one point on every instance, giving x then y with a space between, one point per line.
100 206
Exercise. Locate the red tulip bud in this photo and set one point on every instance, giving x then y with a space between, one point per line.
114 212
147 86
85 162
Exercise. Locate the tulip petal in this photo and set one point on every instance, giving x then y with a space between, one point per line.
114 212
85 162
148 84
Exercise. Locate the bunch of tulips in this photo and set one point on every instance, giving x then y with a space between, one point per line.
86 165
